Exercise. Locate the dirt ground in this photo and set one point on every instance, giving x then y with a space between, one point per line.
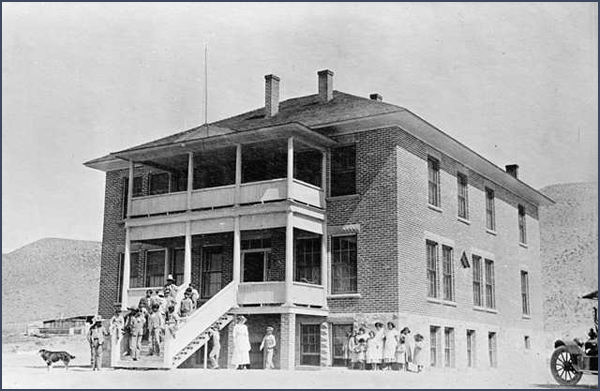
23 368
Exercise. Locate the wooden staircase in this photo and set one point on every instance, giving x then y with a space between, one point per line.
192 334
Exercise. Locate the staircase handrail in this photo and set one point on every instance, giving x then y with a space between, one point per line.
202 318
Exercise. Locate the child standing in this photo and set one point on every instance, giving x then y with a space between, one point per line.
361 350
171 321
187 304
268 344
353 348
401 353
216 347
373 350
155 325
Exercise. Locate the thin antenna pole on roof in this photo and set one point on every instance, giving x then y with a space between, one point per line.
206 86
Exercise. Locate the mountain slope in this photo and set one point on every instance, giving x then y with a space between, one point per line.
50 278
569 254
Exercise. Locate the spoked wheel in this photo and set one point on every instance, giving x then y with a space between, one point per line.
561 366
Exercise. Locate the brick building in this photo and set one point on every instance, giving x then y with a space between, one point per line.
318 213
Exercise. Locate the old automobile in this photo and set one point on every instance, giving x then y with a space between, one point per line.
572 359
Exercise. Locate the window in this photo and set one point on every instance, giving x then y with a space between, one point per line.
343 265
525 292
490 211
522 225
492 349
471 348
136 276
433 166
158 183
138 186
310 341
527 342
448 347
463 196
432 266
308 260
490 289
433 345
308 166
155 268
340 339
176 265
343 171
212 271
477 282
120 280
447 273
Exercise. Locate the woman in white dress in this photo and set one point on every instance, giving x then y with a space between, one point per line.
378 341
389 345
241 344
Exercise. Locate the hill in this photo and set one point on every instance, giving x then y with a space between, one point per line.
569 254
50 278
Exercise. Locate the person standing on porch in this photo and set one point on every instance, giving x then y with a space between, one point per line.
137 331
241 344
170 285
267 346
155 326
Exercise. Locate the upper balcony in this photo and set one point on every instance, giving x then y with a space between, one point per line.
242 169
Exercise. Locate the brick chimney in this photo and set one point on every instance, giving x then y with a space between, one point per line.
376 97
512 170
325 85
271 95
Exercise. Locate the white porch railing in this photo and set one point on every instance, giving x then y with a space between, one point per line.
199 321
263 191
307 193
213 197
272 292
308 294
161 203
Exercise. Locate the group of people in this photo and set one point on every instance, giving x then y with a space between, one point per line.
154 316
384 348
241 345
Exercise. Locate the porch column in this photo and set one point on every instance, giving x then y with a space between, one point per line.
190 180
238 173
187 257
324 257
237 256
126 270
289 258
130 188
290 167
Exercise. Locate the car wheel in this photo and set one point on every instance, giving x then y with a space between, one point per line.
561 366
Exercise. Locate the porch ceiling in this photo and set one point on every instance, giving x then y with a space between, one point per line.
301 133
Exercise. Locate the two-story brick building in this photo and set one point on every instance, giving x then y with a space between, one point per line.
320 212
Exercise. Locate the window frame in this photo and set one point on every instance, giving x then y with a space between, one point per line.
522 217
432 268
316 344
140 279
449 347
490 209
478 299
471 348
462 182
207 275
493 349
312 267
433 181
490 283
353 288
448 278
434 346
525 298
120 277
147 276
344 166
153 175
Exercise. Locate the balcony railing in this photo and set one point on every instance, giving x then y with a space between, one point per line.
216 197
273 293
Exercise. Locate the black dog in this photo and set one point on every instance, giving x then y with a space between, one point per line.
51 357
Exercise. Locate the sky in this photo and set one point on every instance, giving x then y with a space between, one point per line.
516 82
